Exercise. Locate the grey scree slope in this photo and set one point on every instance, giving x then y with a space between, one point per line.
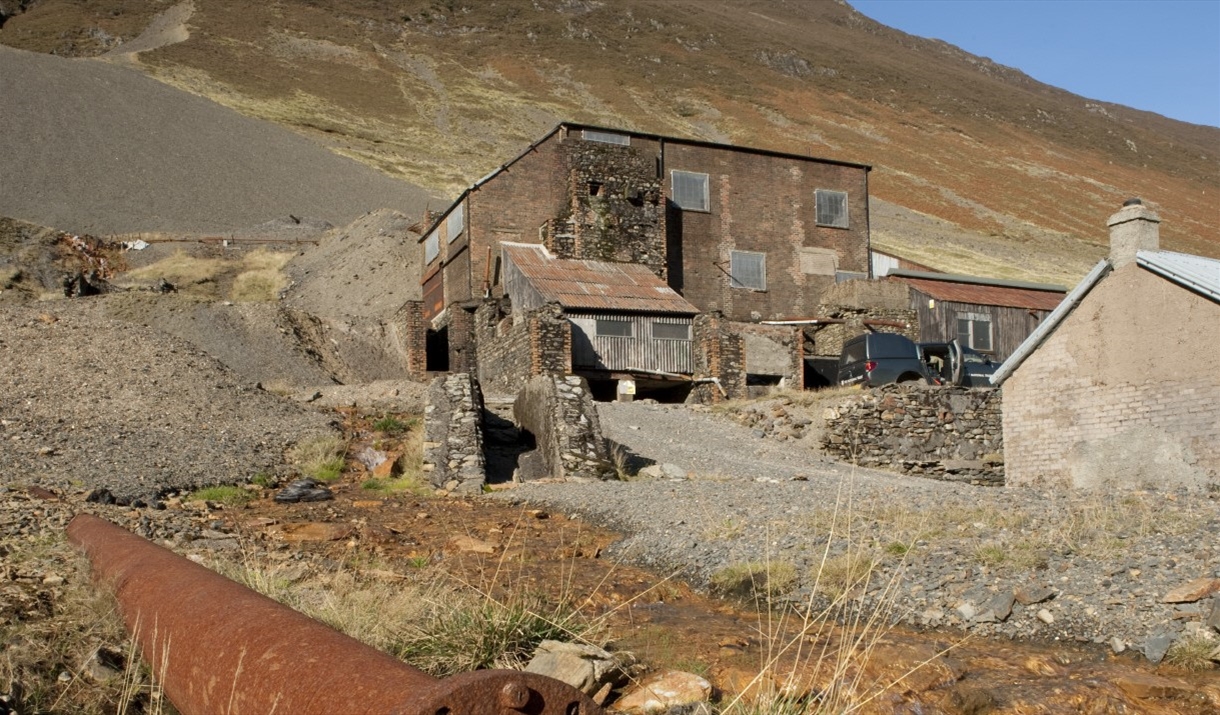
92 147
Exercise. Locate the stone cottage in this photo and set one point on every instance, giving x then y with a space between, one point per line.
1119 385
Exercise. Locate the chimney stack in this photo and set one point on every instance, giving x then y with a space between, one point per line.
1134 228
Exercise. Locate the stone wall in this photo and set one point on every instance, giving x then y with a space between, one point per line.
828 339
776 350
949 433
718 352
462 352
512 349
453 434
616 211
559 412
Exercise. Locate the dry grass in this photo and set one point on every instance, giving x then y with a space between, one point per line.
181 269
1194 652
320 457
261 278
758 580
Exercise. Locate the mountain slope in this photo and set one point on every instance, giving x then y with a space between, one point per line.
978 168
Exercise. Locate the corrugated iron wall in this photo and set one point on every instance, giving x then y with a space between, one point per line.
641 350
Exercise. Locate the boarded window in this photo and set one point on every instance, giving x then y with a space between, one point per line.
610 328
748 269
671 331
690 191
432 247
819 261
974 331
591 135
456 221
832 208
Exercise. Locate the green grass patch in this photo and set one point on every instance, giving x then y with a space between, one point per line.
233 496
392 425
321 457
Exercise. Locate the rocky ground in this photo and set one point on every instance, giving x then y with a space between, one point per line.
1131 570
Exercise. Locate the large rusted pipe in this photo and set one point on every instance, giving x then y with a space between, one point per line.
220 648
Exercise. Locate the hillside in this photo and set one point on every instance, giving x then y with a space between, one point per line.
978 168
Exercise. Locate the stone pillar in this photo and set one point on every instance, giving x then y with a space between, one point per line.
1134 228
413 337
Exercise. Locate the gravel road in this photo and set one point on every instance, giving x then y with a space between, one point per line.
1012 562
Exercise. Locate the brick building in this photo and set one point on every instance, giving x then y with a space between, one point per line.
749 234
1119 384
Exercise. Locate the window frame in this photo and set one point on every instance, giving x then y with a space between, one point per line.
597 327
602 137
684 326
459 211
707 194
735 282
971 320
432 247
845 221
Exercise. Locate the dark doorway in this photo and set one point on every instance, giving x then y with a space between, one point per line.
437 350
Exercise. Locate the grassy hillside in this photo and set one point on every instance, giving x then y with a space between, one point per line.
982 169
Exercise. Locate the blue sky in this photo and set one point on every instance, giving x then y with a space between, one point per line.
1159 55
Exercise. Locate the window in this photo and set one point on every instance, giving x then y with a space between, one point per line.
610 328
974 331
748 269
819 261
456 221
690 191
591 135
671 331
432 246
832 208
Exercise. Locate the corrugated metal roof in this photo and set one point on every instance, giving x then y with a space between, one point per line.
979 294
1196 273
595 285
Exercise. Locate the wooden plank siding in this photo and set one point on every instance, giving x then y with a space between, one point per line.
1009 326
641 350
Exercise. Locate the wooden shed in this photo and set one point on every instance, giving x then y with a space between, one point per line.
991 316
624 318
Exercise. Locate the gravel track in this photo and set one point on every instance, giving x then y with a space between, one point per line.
1102 563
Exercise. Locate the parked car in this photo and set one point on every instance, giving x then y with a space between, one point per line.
876 359
954 364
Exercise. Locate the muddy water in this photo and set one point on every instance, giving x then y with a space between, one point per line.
667 624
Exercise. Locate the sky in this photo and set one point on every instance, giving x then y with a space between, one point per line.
1158 55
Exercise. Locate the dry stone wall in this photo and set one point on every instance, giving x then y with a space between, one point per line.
828 339
511 350
948 433
559 412
453 434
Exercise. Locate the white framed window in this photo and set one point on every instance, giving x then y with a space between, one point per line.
831 208
456 222
671 331
611 328
974 331
592 135
689 190
748 269
432 247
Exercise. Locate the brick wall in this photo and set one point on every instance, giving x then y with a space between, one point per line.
1122 392
949 433
412 333
462 357
719 352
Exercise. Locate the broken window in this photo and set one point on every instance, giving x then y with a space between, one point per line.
591 135
671 331
456 222
432 247
690 191
611 328
748 269
974 331
831 208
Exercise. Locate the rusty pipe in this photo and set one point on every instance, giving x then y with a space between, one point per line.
219 648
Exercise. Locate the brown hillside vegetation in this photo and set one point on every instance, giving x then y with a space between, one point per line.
979 167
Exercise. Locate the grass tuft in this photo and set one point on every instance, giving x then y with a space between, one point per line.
321 457
224 494
755 579
1193 652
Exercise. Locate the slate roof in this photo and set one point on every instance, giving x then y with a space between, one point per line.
983 291
595 285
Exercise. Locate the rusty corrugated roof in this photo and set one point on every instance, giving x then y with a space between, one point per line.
980 294
595 285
